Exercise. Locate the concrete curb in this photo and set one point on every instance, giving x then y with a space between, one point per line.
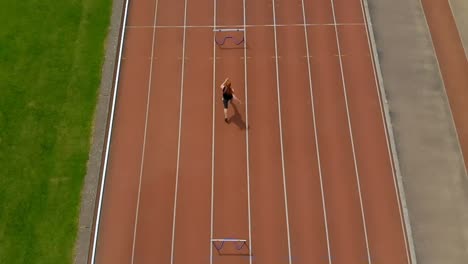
91 181
391 137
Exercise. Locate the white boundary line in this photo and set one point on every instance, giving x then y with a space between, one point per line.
109 136
213 135
315 134
397 179
182 78
351 134
458 29
221 27
247 134
148 99
281 134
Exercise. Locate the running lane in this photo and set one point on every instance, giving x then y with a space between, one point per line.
192 223
154 217
116 230
385 228
305 200
230 204
269 229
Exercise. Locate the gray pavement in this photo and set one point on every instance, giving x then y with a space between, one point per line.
432 169
460 13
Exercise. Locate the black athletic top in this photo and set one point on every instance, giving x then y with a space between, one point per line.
226 96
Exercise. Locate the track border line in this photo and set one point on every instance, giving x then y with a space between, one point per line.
247 134
315 133
351 134
391 146
182 78
213 135
148 100
109 135
281 134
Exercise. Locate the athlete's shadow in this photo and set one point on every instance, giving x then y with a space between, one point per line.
237 118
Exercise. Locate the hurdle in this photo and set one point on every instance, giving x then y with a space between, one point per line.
236 41
237 243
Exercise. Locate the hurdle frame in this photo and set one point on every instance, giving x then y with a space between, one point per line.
224 240
236 42
228 30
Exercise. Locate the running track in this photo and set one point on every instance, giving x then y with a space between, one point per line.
304 170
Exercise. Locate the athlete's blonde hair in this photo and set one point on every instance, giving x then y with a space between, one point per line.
227 83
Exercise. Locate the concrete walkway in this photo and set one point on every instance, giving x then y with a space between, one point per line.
432 169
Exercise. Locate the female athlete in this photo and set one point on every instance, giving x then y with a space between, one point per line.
228 95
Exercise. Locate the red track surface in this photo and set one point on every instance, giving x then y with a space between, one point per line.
302 171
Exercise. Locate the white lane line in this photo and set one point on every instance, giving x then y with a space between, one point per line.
386 127
252 25
213 135
145 134
351 134
182 78
315 133
281 133
247 134
109 136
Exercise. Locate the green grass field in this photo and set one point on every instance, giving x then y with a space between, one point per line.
51 53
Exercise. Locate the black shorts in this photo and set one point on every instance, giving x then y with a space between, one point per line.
226 99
